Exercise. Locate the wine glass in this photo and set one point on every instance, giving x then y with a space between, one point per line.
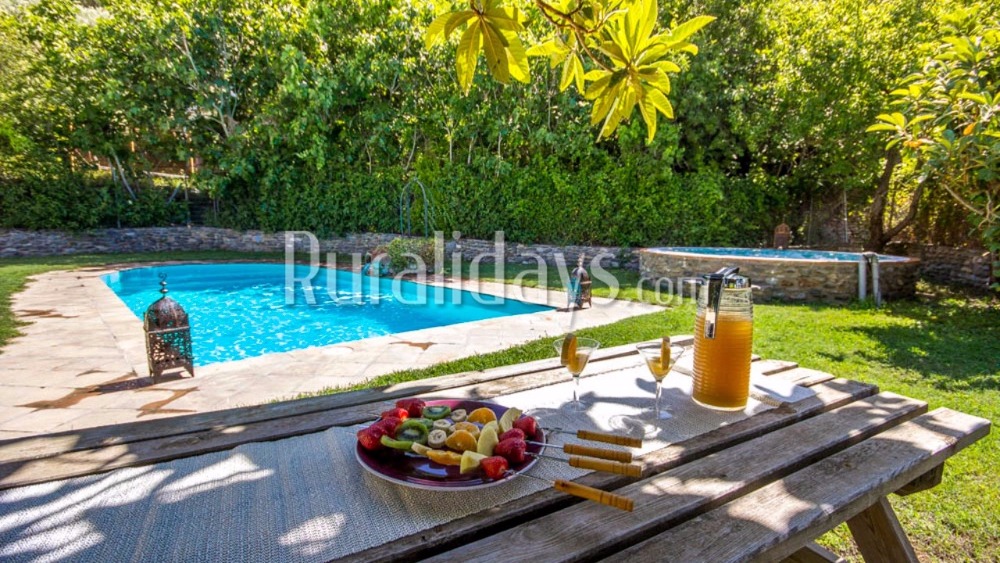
575 353
660 358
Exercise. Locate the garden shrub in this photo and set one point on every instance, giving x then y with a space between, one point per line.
402 252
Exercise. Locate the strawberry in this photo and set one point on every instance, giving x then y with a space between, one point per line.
495 467
400 413
414 406
513 433
387 426
370 438
512 449
528 425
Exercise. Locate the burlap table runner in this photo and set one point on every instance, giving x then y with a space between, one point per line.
300 499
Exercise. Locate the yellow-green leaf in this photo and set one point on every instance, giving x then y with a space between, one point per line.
435 31
548 48
688 28
517 59
648 111
660 102
503 19
648 20
602 106
880 127
658 80
457 19
666 66
467 56
578 74
496 57
614 52
566 78
597 87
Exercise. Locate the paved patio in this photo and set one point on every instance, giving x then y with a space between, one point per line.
82 359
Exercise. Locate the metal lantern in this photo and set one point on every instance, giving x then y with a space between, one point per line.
168 335
579 286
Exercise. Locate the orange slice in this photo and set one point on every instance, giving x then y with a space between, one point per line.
460 441
445 457
468 427
665 353
482 415
568 349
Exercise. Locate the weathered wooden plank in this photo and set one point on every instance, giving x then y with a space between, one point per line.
814 553
771 367
77 462
828 396
676 495
926 481
88 438
778 519
879 535
803 376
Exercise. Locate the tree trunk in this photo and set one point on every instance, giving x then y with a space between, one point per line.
878 234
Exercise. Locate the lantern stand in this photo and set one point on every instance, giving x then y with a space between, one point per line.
579 286
168 335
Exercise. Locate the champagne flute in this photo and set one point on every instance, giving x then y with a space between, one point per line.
660 358
574 353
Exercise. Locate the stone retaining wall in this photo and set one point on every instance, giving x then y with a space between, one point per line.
167 239
784 280
957 266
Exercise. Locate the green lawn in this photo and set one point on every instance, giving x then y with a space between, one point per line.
943 348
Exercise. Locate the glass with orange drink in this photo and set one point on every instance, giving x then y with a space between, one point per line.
574 353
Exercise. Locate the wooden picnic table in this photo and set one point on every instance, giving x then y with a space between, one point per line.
831 458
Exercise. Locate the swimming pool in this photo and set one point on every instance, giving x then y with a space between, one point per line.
783 275
239 310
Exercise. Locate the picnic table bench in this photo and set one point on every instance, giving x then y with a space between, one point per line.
762 488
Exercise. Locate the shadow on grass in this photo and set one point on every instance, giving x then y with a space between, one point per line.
955 345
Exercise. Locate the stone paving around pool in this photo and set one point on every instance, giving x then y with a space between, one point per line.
82 359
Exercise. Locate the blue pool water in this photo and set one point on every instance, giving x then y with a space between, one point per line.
238 310
776 253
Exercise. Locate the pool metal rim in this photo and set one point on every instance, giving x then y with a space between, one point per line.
668 251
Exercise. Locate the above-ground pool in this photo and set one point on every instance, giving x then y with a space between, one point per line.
239 311
787 275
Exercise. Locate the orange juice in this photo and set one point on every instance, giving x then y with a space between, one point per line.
722 364
658 367
577 362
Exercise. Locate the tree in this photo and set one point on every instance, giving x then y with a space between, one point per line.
948 117
631 61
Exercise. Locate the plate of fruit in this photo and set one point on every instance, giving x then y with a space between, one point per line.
449 445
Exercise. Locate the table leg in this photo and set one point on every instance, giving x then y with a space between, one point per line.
814 553
926 481
879 535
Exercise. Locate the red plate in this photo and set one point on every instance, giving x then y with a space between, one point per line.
411 470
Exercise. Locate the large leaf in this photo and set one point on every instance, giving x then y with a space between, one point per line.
467 56
688 28
548 48
648 111
572 72
435 31
503 19
494 46
660 102
517 59
443 25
